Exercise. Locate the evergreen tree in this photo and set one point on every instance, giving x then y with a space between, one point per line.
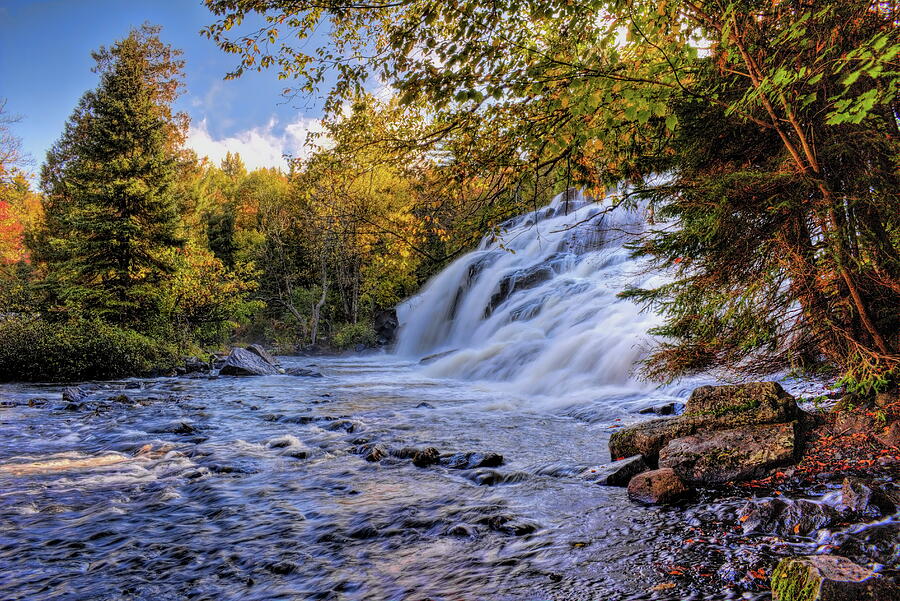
111 231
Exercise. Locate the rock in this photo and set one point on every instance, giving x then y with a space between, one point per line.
667 409
785 517
303 372
709 408
472 460
756 402
424 405
385 325
195 365
729 455
524 279
660 486
74 394
878 542
828 578
242 362
425 457
434 357
375 452
866 498
263 354
620 473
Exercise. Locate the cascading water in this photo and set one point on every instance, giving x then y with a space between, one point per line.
538 308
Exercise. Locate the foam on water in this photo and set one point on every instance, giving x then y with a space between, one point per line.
537 311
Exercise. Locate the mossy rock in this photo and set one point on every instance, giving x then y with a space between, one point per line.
828 578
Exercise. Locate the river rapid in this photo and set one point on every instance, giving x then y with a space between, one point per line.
254 488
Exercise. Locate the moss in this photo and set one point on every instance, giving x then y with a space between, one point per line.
749 405
792 581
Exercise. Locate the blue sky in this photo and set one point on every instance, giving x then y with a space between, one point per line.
45 67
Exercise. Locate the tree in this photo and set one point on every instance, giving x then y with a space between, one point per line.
777 122
111 219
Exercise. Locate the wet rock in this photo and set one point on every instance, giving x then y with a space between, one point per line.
660 486
709 408
620 473
866 498
828 578
74 394
241 362
524 279
460 530
374 452
424 405
282 568
385 325
667 409
195 365
472 460
425 457
729 455
263 354
508 525
786 517
434 357
303 372
490 477
347 425
878 543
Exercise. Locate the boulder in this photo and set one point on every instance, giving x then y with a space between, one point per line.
660 486
74 394
752 403
241 362
263 354
425 457
385 325
304 372
472 460
785 517
866 498
828 578
709 408
620 473
667 409
729 455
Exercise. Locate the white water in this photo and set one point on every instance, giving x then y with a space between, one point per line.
561 331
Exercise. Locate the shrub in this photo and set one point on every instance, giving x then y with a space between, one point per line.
350 334
34 349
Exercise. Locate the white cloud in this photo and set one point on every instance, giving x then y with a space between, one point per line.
263 146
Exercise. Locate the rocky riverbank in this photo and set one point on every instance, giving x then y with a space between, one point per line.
754 439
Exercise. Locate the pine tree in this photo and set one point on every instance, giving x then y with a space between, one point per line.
111 231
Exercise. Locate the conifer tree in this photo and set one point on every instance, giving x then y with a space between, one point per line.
111 231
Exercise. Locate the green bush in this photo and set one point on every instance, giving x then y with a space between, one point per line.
34 349
350 334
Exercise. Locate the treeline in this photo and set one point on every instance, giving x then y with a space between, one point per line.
135 252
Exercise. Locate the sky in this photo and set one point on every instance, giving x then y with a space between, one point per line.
45 67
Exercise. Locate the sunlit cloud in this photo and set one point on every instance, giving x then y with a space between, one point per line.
262 146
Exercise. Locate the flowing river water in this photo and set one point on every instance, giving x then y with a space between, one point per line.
230 488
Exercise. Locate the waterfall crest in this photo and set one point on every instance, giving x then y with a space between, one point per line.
538 309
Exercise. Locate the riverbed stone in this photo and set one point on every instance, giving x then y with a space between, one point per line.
472 460
660 486
866 498
786 517
709 408
304 372
729 455
241 362
828 578
620 473
74 394
425 457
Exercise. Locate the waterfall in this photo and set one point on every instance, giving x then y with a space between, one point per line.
536 310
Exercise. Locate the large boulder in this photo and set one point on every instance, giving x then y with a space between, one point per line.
620 473
729 455
241 362
385 325
263 354
660 486
828 578
709 408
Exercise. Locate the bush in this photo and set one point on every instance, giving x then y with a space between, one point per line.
34 349
350 334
